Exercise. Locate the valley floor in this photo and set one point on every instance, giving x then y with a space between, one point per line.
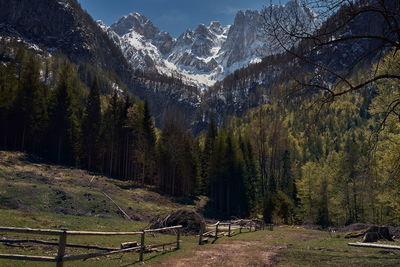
46 196
285 246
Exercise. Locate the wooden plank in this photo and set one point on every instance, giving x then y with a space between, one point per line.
99 254
61 248
129 245
201 236
27 258
178 238
163 229
160 245
58 232
370 245
209 232
142 246
31 231
102 233
44 242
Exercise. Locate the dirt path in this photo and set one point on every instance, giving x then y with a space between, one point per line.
235 253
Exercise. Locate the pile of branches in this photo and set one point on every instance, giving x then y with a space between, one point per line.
191 221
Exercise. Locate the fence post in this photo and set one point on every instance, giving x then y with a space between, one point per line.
240 228
229 229
216 230
142 246
178 237
201 236
61 248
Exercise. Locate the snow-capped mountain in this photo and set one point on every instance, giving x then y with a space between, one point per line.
202 56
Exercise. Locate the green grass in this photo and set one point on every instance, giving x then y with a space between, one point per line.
57 189
317 248
44 220
301 247
48 196
336 252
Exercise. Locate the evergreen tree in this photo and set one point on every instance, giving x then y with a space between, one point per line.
227 186
91 127
206 155
30 107
149 141
252 177
110 135
64 125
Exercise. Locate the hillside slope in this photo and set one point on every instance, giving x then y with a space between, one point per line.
38 187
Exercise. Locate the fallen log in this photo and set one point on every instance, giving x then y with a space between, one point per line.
369 245
129 245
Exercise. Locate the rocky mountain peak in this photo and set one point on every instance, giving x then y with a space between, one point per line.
135 22
201 56
216 27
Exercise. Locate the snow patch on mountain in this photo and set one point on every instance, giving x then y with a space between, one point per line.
201 56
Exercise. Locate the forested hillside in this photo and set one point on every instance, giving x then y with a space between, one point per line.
283 140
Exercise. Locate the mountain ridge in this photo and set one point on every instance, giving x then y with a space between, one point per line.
202 56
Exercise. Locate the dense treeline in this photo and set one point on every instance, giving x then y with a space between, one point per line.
68 123
330 164
67 115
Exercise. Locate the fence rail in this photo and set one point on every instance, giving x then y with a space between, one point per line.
254 224
216 230
62 243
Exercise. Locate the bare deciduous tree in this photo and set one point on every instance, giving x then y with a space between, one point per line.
332 25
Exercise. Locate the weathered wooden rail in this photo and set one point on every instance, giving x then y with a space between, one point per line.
215 231
370 245
232 225
62 243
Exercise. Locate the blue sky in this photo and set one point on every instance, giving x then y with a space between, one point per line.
174 16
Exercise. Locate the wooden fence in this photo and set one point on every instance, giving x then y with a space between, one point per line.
62 244
229 227
221 229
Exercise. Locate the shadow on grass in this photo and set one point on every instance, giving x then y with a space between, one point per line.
150 258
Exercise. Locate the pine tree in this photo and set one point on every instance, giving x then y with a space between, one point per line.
252 176
64 125
227 187
149 145
110 135
30 107
206 155
91 126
